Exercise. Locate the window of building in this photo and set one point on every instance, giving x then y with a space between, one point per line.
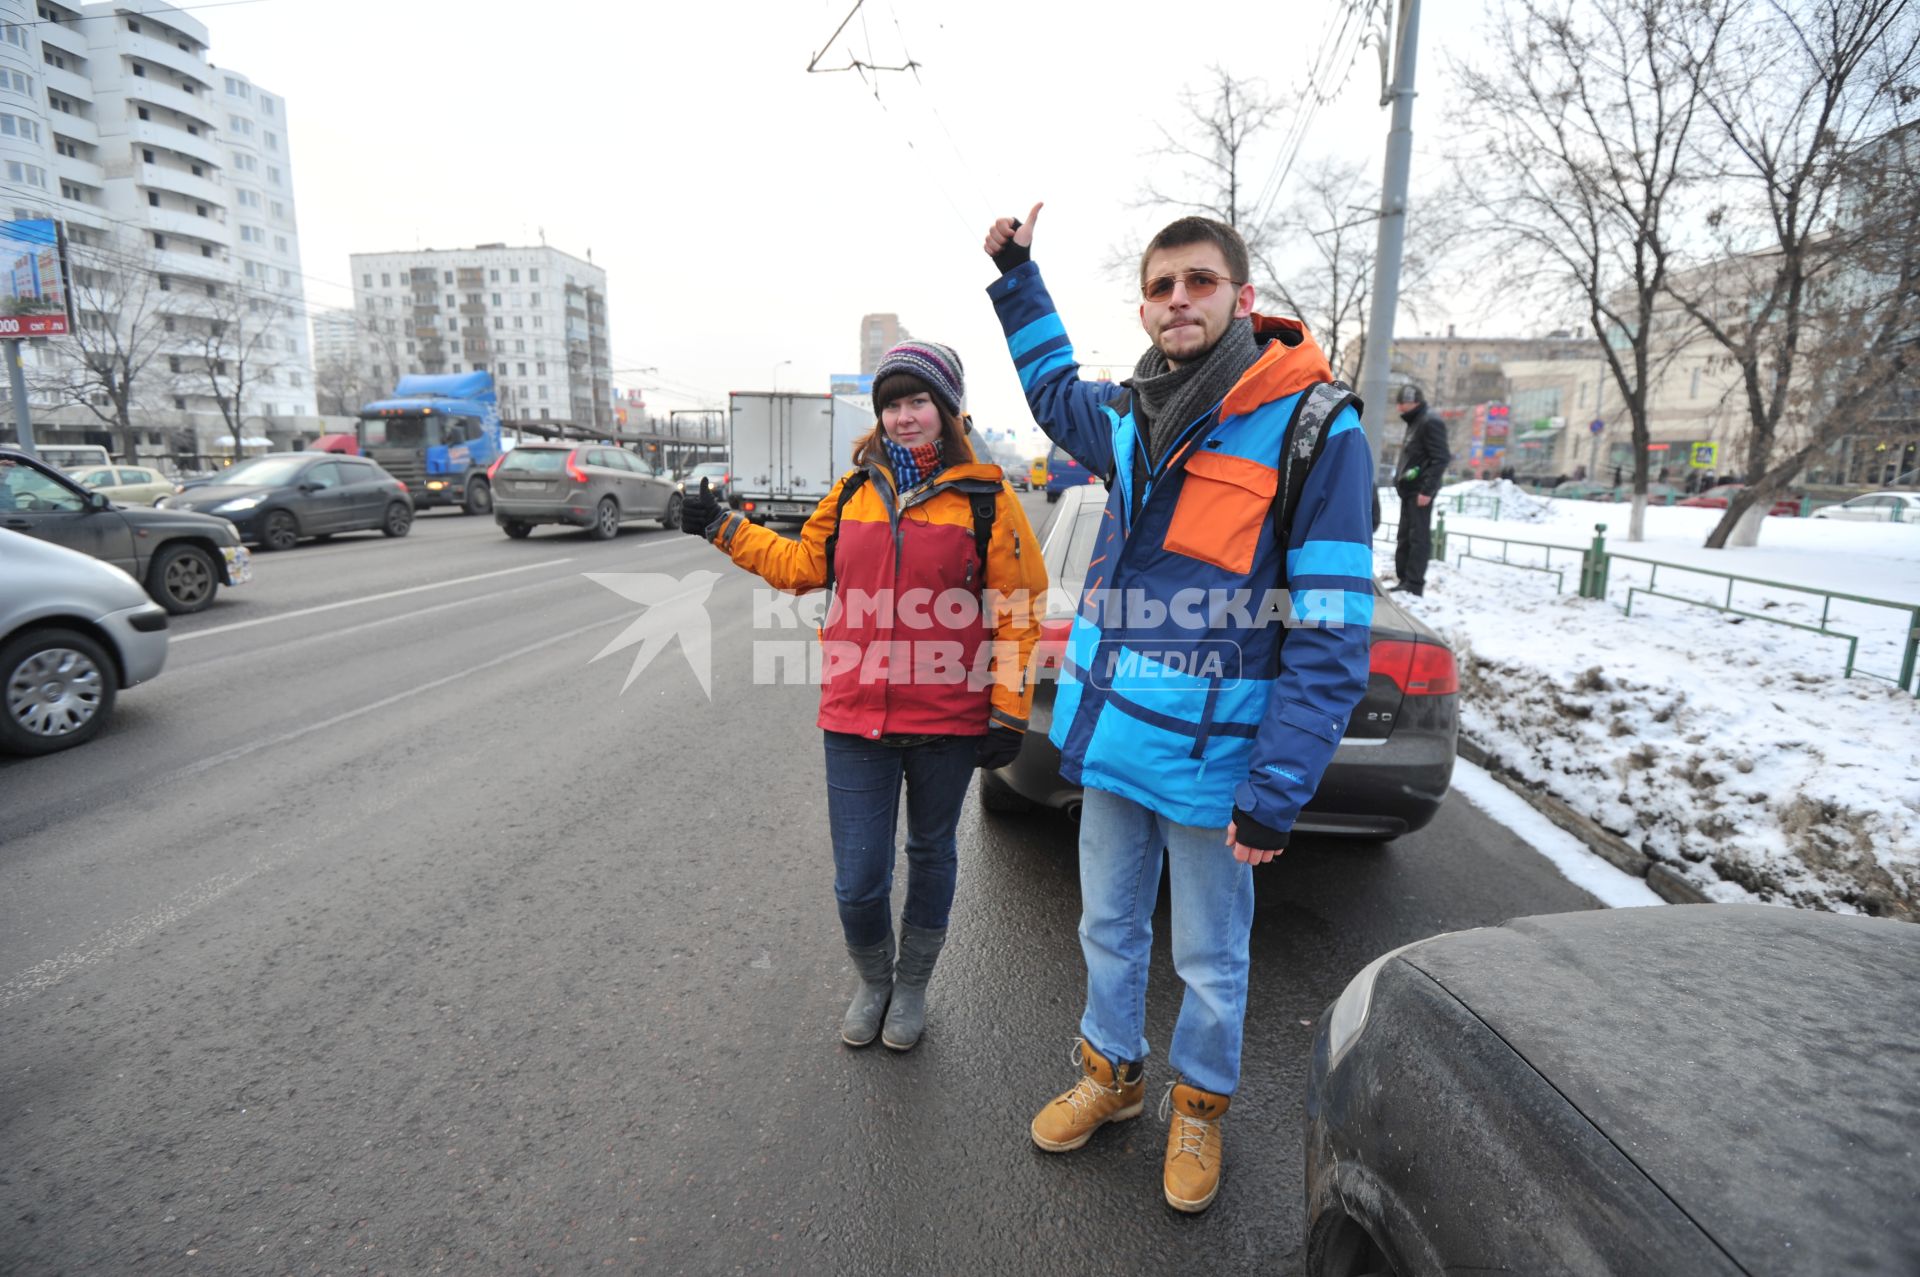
449 279
1463 359
272 139
543 412
166 284
143 113
66 148
248 199
513 275
473 299
286 278
31 174
366 281
15 34
539 369
173 363
273 175
499 322
523 370
1693 391
197 171
180 402
518 322
18 81
520 348
159 240
133 26
266 105
453 323
536 322
206 250
533 276
153 198
139 70
386 280
19 126
59 103
533 299
450 302
279 210
279 243
200 210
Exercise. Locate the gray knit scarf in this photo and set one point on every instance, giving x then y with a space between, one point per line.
1167 401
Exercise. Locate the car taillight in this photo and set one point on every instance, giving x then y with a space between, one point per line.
1417 669
496 464
403 485
748 506
574 472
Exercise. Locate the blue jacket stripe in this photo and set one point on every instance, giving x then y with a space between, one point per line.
1043 329
1046 347
1033 373
1331 558
1333 607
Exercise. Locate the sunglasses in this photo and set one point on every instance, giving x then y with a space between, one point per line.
1200 284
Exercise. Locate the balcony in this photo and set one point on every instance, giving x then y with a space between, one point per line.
190 265
66 83
174 137
77 127
148 49
180 182
63 38
85 172
195 106
174 222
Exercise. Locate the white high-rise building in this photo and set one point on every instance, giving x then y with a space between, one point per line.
533 316
335 334
174 180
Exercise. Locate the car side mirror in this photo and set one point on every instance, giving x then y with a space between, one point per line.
99 501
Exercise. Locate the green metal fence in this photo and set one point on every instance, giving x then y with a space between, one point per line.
1595 562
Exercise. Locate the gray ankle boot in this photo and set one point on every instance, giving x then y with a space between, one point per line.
907 1016
874 962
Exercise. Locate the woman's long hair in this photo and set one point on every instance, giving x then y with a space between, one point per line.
954 448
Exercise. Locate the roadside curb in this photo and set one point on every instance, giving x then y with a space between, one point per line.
1664 879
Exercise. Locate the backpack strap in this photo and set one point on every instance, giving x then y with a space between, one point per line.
847 489
984 506
1300 447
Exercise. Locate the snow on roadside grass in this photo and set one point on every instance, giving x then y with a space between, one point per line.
1612 887
1731 749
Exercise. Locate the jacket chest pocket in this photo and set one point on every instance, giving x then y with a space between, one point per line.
1224 502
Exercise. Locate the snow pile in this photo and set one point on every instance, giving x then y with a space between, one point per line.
1516 504
1731 749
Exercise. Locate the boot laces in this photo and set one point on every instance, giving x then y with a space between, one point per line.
1191 1132
1087 1090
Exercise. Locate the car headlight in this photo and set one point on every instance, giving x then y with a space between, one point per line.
240 503
1349 1015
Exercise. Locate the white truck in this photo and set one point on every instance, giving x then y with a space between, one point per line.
788 449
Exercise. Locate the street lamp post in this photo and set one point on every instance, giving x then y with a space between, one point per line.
776 372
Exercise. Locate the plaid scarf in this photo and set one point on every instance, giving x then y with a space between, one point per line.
913 466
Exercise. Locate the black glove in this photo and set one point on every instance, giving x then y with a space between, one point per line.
1000 746
1013 253
699 510
1252 833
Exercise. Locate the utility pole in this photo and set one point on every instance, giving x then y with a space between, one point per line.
1376 364
22 412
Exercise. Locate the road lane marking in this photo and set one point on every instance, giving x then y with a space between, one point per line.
371 598
385 702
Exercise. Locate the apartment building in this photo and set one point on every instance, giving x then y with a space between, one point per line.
878 335
174 180
532 315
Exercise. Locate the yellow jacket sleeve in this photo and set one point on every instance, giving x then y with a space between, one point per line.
797 567
1016 583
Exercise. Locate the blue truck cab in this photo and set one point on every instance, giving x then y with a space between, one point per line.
439 434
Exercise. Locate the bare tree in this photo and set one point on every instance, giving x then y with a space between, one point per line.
1583 126
120 304
1332 227
1813 272
239 350
342 387
1206 165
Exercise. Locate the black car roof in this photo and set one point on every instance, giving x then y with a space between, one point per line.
1760 1064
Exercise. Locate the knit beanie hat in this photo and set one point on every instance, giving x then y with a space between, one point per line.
915 365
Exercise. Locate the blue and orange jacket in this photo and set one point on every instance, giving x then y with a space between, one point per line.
892 666
1194 710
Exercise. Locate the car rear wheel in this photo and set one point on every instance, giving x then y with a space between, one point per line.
671 519
606 520
282 532
516 529
183 579
398 520
57 690
479 498
999 797
1052 497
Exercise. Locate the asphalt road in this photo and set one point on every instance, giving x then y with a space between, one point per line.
385 933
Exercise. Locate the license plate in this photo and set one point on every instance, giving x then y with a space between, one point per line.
239 564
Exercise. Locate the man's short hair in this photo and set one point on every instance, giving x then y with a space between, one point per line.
1201 230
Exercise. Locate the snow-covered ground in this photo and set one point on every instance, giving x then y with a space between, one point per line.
1732 749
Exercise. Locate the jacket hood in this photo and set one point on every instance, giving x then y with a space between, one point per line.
1290 363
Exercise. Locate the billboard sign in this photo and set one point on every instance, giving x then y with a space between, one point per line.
850 384
37 301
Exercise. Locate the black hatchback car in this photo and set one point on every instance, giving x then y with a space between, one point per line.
181 559
1394 762
1696 1089
277 499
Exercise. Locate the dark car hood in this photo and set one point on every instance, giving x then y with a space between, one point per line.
215 494
1759 1064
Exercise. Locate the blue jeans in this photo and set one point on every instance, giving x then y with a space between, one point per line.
1121 844
863 806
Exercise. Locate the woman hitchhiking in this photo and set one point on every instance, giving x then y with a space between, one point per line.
937 579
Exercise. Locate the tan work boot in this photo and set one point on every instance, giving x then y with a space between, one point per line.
1191 1176
1097 1098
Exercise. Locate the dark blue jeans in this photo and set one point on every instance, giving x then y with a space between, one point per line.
863 807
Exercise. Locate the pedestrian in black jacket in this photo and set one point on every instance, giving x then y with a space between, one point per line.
1423 464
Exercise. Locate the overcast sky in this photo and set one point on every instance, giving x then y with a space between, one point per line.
748 213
